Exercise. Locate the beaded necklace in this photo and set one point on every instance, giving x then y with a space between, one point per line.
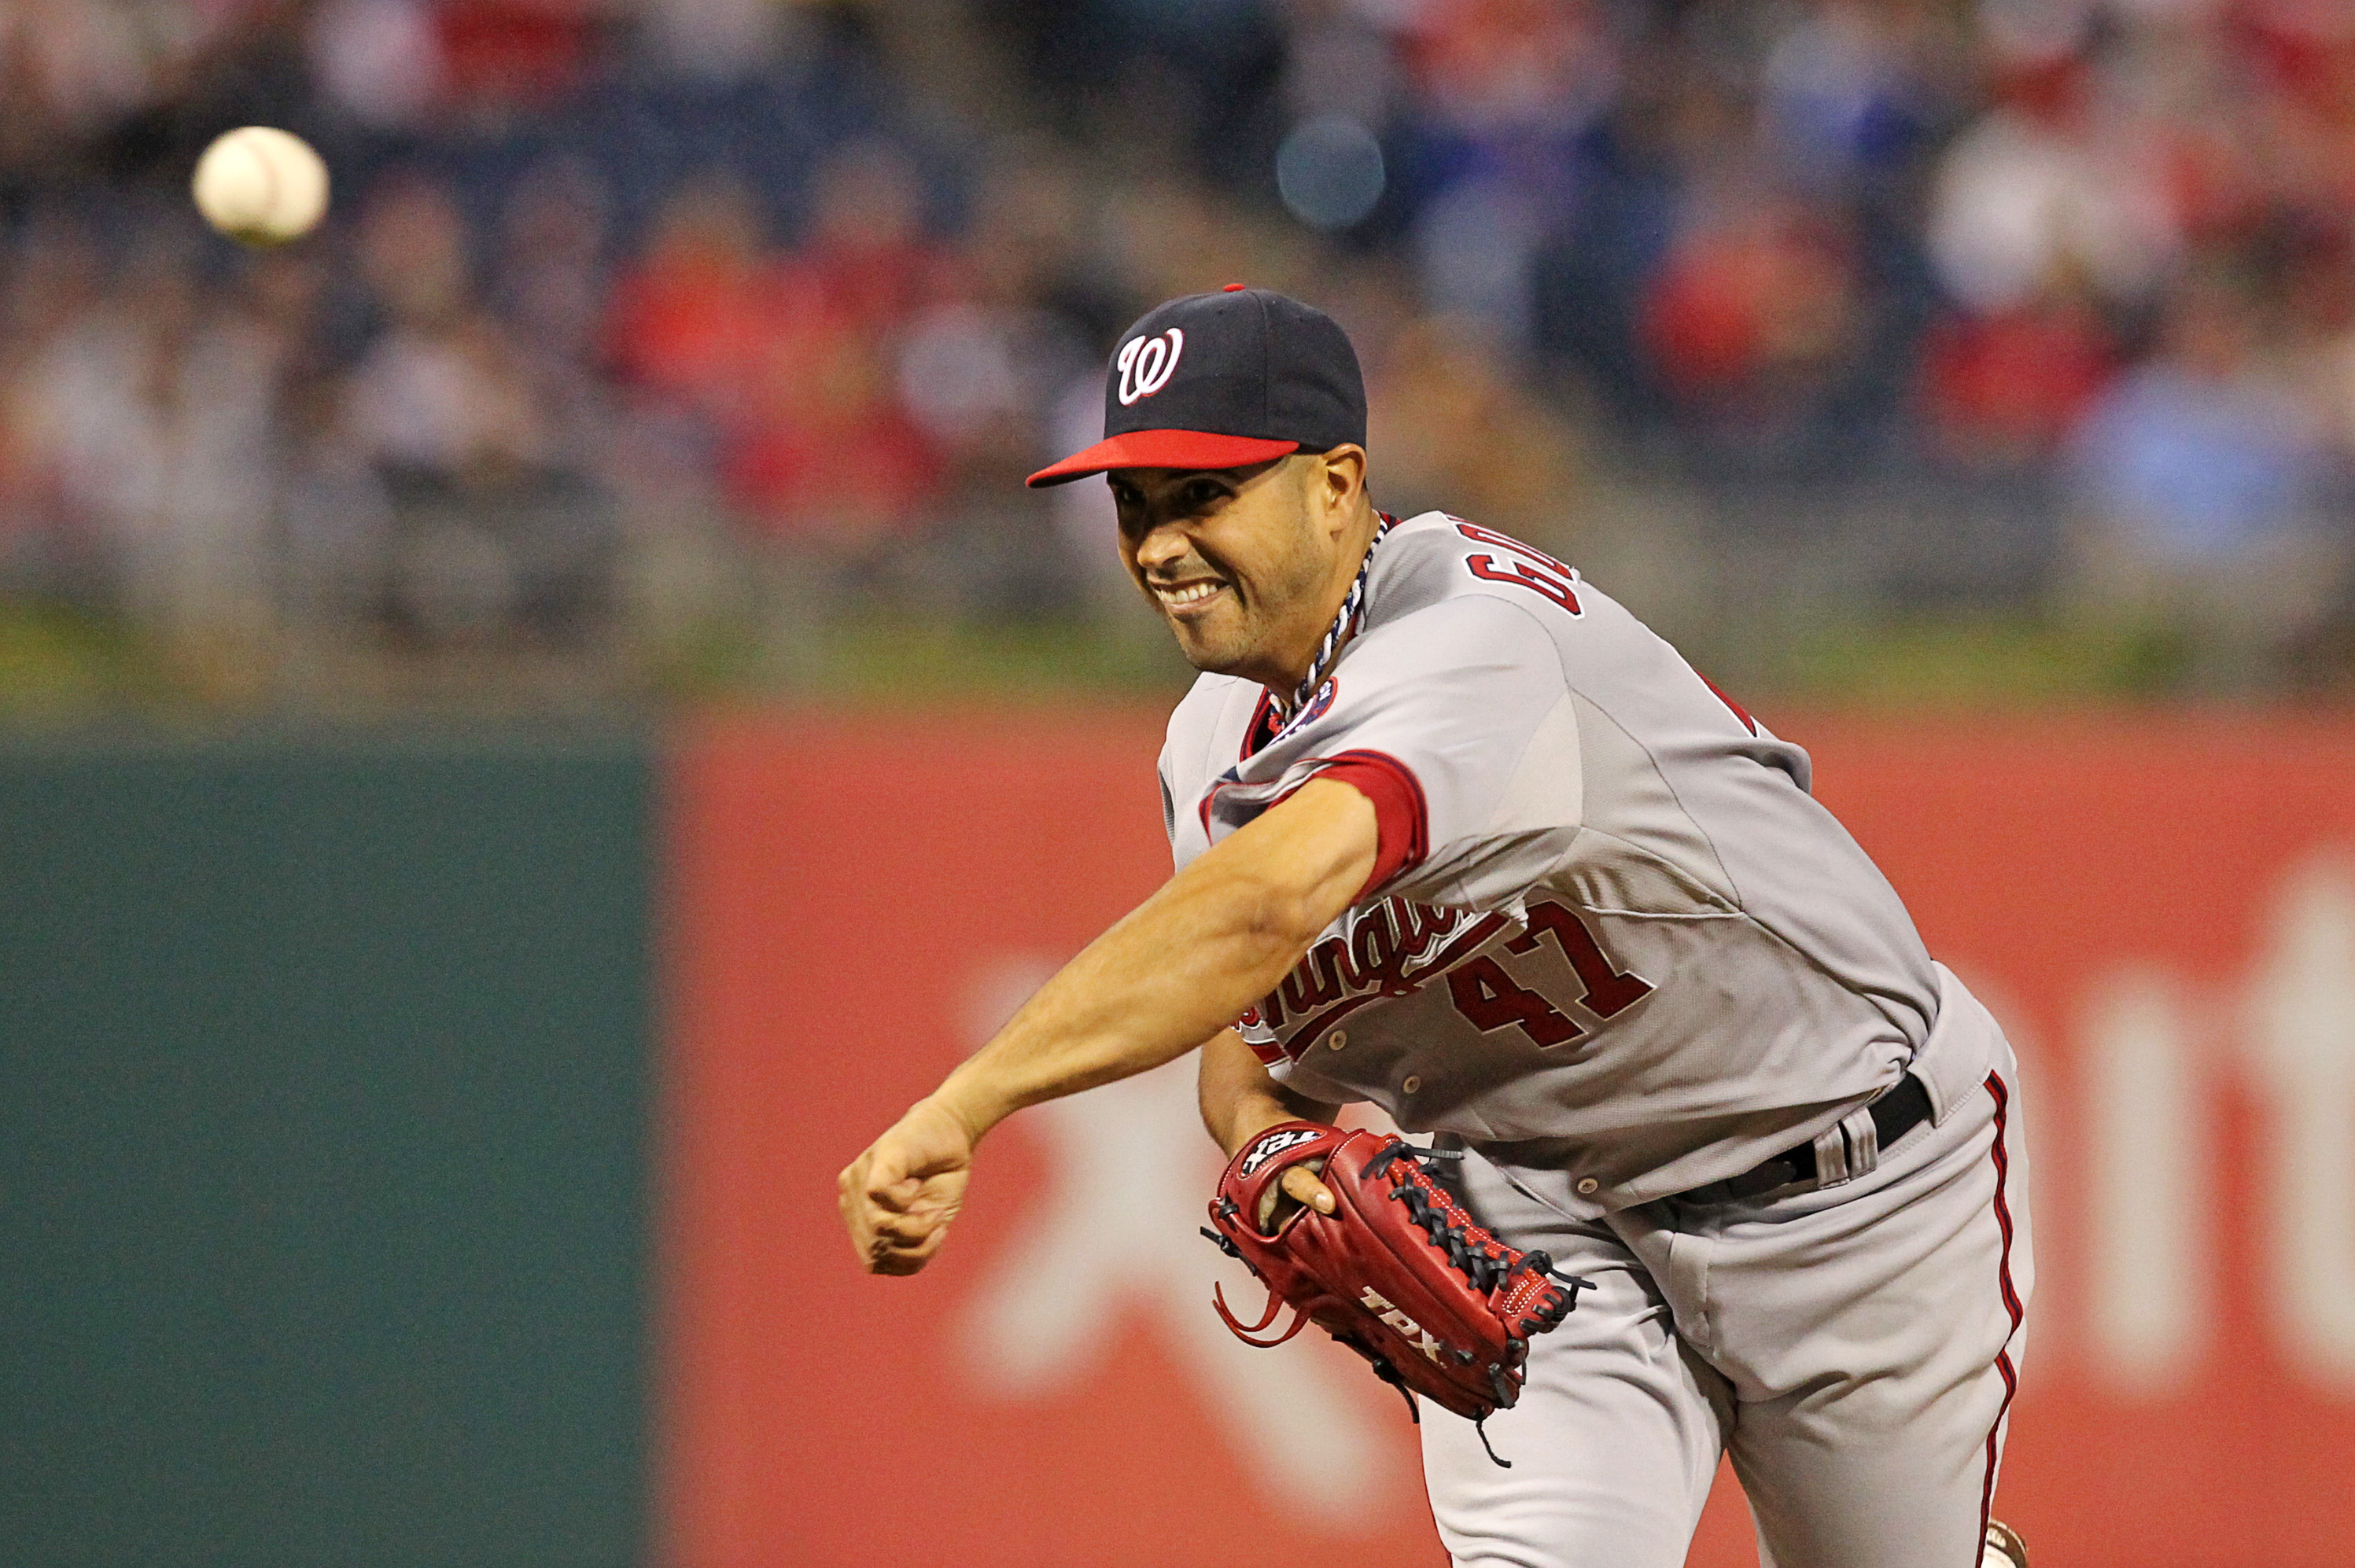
1344 623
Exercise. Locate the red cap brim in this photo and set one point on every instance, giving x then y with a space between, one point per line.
1163 449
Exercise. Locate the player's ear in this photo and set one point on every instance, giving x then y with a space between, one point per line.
1340 476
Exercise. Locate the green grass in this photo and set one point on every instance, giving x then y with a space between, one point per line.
60 661
2003 663
907 658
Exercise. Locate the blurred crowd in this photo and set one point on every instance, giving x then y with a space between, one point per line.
639 324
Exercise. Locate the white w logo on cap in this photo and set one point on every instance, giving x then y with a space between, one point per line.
1147 362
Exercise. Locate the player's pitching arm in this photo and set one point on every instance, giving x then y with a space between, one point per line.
1172 973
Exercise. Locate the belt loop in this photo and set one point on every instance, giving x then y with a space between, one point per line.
1848 1149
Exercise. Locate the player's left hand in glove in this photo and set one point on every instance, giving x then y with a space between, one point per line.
1395 1269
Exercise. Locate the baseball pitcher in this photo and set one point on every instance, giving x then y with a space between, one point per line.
1725 1162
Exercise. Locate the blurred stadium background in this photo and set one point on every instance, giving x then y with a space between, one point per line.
673 347
536 718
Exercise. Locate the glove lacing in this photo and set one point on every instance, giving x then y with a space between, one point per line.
1275 1303
1434 1209
1440 1218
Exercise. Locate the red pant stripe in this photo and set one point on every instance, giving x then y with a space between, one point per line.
1996 1087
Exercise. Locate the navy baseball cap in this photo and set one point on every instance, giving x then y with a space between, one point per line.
1224 380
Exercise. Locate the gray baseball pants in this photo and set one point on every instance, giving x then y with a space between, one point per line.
1854 1348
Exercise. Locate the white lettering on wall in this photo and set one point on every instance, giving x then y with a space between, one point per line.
2302 1047
2150 1173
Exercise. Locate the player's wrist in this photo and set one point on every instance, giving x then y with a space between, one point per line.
971 1104
1252 1116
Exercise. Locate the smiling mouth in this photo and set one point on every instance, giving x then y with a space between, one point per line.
1180 598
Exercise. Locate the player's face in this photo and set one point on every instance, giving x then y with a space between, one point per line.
1234 559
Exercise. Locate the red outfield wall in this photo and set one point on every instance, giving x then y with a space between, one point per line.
2162 911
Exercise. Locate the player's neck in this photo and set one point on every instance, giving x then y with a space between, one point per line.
1326 630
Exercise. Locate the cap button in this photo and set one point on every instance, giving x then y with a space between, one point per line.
1235 288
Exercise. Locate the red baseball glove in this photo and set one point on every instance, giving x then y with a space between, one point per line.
1398 1272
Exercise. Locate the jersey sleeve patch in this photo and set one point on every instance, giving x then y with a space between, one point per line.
1402 817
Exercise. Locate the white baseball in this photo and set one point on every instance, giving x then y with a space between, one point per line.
261 186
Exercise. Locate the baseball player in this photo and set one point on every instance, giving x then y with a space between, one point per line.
1457 836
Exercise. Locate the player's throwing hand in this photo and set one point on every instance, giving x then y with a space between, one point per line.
899 1197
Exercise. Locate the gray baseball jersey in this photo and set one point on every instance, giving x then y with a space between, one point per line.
1611 940
1612 943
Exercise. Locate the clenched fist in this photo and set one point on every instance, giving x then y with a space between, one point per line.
899 1197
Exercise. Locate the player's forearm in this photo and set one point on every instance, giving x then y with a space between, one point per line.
1175 972
1238 1100
1183 965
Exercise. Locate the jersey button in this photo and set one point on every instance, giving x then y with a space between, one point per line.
1335 1041
1411 1084
1586 1185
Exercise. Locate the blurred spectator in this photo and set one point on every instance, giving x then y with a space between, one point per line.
75 70
968 377
440 401
380 61
2318 306
443 402
501 56
1502 73
1450 430
682 322
2204 451
1505 88
550 295
2007 389
827 457
980 364
2198 475
2041 188
788 353
495 529
825 454
867 257
151 414
53 284
720 40
1844 90
1757 301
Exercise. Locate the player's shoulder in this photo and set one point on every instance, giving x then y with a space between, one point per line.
1436 558
1453 585
1212 706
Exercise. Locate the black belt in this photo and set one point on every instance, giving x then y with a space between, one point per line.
1894 1115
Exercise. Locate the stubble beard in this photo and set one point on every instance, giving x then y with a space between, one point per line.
1217 649
1236 638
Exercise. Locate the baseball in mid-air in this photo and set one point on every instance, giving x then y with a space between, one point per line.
261 186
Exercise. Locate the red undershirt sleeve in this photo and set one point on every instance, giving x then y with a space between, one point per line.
1401 818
